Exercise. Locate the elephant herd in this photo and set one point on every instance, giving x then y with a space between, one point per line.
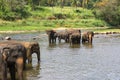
73 36
13 56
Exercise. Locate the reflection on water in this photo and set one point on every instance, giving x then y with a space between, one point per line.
75 46
87 45
60 61
32 72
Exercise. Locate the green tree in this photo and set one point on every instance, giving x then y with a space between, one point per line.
110 12
13 9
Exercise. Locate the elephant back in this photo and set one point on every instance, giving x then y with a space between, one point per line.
70 31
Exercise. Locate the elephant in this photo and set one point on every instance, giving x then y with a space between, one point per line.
75 38
34 48
63 35
12 56
66 34
51 36
87 37
31 47
70 31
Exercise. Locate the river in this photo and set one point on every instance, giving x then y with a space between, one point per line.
60 61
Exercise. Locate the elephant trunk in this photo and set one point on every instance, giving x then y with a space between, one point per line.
38 56
90 38
29 55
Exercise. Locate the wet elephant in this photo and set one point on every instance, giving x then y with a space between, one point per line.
63 35
87 37
51 36
31 47
12 56
70 31
75 38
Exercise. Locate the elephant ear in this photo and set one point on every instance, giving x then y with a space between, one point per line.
5 52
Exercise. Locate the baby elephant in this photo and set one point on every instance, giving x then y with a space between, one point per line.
87 37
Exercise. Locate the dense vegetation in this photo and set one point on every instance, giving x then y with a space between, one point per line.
35 14
109 10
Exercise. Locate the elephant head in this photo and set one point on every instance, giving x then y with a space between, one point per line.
90 36
87 37
34 48
5 52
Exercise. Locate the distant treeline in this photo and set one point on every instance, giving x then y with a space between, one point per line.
108 10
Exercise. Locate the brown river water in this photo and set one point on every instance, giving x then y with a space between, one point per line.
60 61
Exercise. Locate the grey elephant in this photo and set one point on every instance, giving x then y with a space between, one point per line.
70 31
12 56
75 38
87 37
31 47
51 36
63 35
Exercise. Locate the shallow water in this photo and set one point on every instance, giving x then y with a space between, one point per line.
60 61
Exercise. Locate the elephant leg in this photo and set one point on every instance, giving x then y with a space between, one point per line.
70 42
65 40
19 66
4 71
38 56
30 59
83 40
52 40
24 63
12 71
59 39
73 41
78 41
55 39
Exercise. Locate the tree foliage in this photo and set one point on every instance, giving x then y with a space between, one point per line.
13 9
109 11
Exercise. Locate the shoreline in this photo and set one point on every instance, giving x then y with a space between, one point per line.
63 28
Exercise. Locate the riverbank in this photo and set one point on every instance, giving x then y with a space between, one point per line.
95 30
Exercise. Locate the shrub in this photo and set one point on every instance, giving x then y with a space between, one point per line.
60 15
39 8
8 16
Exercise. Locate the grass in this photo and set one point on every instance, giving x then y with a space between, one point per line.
80 18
